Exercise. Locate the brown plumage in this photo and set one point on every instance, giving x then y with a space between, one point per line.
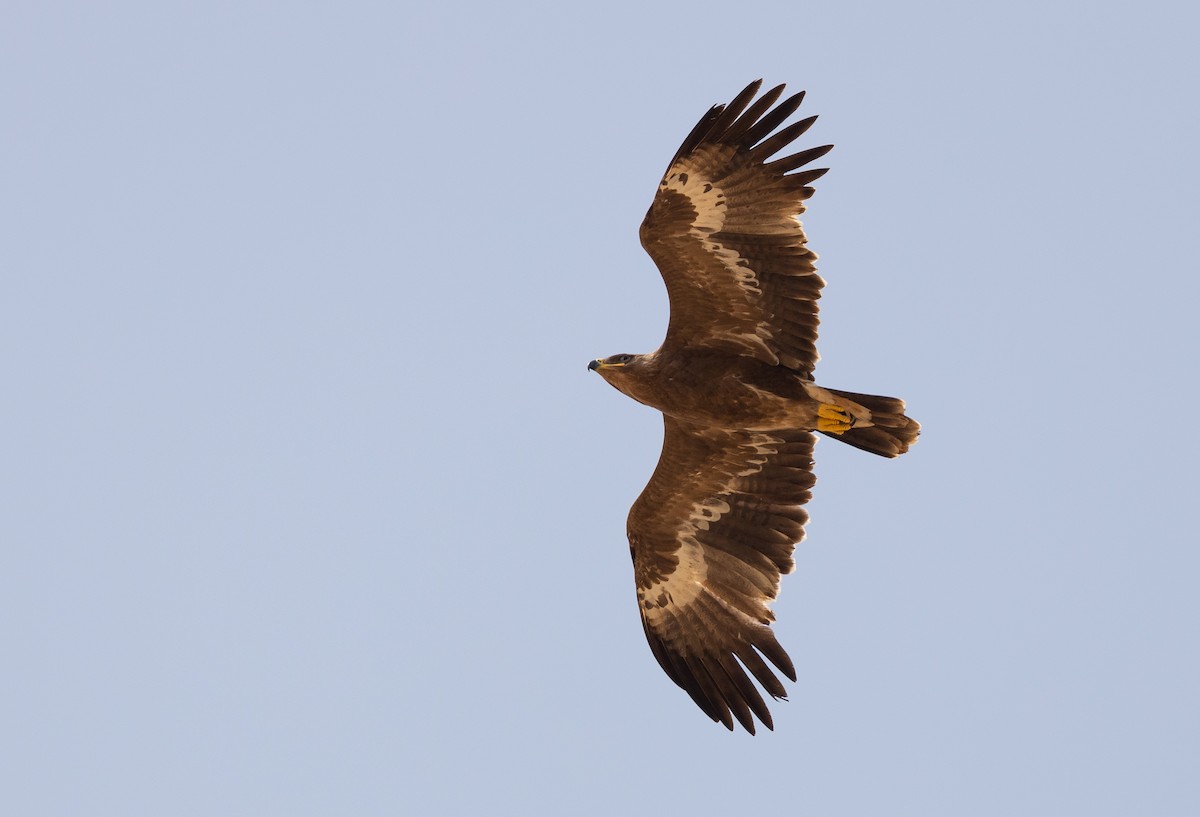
718 522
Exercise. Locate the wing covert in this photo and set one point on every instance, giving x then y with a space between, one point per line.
710 536
724 231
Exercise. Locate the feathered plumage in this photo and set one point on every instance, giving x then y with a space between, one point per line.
719 520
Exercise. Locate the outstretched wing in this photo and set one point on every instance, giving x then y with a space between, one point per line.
725 234
710 536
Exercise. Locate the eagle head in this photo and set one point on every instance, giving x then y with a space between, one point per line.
608 364
628 374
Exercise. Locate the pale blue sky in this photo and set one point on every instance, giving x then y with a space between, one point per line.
309 505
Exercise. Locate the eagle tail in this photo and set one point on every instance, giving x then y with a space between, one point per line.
891 431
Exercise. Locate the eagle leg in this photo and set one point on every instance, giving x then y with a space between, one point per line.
833 419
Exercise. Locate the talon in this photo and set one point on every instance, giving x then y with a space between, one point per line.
833 419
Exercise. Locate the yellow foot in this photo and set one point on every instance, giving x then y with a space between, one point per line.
833 419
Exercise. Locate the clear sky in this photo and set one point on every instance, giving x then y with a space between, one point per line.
309 506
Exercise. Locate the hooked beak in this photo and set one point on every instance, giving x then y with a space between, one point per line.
595 364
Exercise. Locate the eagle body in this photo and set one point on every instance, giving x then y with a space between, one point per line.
718 522
711 388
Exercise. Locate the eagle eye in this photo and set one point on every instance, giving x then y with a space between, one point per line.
622 358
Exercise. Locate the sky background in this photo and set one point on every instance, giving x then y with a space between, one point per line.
309 505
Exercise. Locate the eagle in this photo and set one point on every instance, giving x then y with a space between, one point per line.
719 520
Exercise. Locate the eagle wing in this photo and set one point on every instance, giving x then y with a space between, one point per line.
710 536
725 234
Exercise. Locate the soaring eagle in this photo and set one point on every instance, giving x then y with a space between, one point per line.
718 521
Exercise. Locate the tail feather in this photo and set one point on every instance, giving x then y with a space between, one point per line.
891 431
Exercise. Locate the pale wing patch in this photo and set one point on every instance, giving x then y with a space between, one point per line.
685 583
763 445
708 199
706 513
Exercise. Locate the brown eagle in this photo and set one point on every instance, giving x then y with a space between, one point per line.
719 520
